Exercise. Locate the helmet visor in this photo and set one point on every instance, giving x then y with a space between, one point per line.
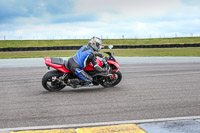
99 46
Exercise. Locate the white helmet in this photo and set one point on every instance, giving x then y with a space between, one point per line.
95 43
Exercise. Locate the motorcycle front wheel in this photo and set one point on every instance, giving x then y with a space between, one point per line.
50 82
112 80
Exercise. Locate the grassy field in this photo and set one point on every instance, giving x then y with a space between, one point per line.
119 52
80 42
195 52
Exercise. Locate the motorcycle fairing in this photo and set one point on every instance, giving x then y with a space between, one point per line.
116 64
89 67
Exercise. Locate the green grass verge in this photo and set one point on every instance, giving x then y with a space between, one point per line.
194 52
80 42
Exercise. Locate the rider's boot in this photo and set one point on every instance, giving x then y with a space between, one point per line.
85 83
76 82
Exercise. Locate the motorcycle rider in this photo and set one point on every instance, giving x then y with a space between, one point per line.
82 58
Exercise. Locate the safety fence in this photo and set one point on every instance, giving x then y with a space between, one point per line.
106 47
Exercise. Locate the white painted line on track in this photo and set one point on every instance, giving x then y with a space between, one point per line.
99 124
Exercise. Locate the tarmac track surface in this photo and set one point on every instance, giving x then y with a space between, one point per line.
147 91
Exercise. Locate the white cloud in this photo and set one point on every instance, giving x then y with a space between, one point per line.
112 18
130 8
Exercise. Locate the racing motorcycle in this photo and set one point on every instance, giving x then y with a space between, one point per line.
56 80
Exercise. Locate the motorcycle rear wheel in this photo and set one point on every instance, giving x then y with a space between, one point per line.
112 80
49 82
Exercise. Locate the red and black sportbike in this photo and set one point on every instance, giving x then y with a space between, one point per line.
56 80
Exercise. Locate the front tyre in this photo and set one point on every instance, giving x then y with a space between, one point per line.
50 81
113 80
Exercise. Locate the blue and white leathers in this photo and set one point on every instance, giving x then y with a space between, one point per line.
81 59
81 74
81 56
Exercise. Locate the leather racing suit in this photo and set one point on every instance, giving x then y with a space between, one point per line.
81 59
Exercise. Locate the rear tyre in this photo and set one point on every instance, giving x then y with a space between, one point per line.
112 80
50 82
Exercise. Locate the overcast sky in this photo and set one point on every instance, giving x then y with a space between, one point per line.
70 19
